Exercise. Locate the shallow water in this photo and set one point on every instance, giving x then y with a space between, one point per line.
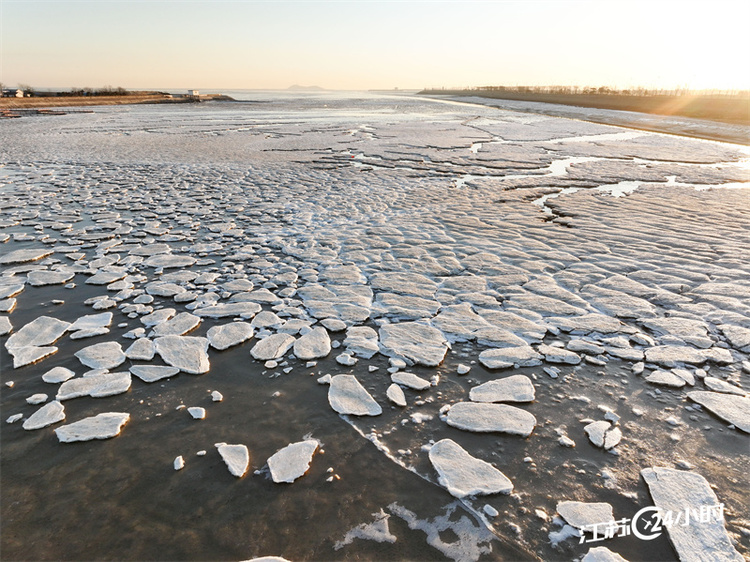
379 183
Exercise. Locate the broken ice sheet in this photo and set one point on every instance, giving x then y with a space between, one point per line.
377 531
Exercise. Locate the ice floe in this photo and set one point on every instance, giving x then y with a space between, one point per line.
153 373
228 335
293 461
49 414
583 514
347 396
106 355
236 457
97 385
313 345
464 475
502 418
272 347
417 343
57 374
516 388
731 408
410 380
506 357
187 353
603 434
677 490
101 426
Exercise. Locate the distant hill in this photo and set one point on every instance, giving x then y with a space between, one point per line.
298 88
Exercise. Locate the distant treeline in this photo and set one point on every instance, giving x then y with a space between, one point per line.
716 105
105 91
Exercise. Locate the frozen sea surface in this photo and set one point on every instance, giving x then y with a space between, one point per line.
374 236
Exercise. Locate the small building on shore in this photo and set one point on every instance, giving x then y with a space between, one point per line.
194 93
13 93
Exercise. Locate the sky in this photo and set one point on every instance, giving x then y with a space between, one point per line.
359 44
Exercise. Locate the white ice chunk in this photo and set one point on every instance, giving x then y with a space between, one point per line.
141 349
157 317
5 326
603 434
197 412
516 388
347 396
602 554
58 374
97 386
678 490
479 417
584 514
102 426
291 462
153 373
241 309
503 358
25 255
91 322
313 345
106 355
229 335
41 278
666 378
415 342
410 380
236 457
718 385
729 407
180 325
464 475
187 353
272 347
40 332
396 395
558 355
46 415
30 354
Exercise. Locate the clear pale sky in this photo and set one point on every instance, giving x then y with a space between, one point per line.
357 44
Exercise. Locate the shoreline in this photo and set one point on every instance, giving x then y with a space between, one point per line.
11 104
704 129
734 110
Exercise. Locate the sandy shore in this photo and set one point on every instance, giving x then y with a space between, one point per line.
76 101
726 109
735 133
